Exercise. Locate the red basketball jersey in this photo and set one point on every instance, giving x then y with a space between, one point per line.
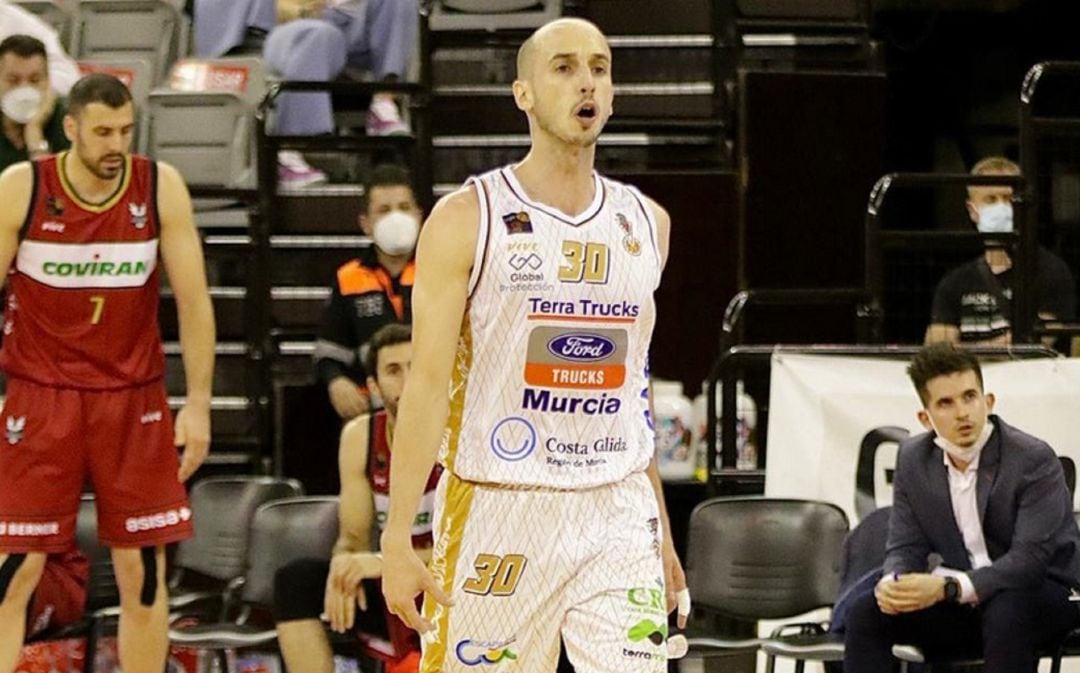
379 475
82 302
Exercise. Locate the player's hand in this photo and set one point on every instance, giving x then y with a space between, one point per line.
348 400
344 592
339 608
409 577
908 593
192 428
674 583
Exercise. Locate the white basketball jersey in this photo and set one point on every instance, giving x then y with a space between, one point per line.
549 386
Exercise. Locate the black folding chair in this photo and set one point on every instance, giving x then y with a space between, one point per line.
752 558
282 531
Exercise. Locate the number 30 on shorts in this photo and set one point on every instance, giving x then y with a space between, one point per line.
496 575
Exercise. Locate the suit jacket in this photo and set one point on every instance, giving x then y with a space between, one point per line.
1024 506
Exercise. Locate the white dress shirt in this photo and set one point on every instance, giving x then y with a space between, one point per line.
965 505
14 20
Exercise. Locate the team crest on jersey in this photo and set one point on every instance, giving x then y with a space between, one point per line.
518 223
54 206
630 242
138 214
15 428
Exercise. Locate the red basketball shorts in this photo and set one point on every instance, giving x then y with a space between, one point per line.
53 440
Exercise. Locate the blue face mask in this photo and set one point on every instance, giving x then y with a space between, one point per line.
996 219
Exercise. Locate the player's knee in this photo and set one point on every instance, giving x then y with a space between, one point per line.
138 575
19 576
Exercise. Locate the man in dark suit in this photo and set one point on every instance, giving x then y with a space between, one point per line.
991 502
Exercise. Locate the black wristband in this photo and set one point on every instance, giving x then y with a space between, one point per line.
952 590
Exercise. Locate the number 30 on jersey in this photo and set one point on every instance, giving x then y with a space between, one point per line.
585 262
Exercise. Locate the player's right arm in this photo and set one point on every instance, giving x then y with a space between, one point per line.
16 189
353 560
444 258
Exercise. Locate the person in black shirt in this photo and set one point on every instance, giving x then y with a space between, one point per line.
370 291
31 112
972 302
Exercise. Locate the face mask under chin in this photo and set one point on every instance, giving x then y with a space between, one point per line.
964 454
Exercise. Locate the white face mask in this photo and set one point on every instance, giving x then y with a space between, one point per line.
21 104
396 232
996 219
963 454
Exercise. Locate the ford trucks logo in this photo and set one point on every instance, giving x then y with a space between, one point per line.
581 347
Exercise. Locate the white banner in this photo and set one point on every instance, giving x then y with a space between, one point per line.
828 415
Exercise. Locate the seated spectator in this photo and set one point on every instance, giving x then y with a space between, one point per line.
314 40
988 500
972 303
371 290
345 590
226 27
31 112
14 20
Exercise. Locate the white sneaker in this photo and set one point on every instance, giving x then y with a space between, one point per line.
384 119
295 173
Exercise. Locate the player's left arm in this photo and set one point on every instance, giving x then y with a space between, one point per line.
181 252
674 577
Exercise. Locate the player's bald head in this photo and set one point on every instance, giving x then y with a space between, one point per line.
546 39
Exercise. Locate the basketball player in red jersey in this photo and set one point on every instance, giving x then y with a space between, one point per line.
80 237
308 588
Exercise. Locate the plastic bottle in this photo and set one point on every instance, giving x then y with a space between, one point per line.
672 423
745 426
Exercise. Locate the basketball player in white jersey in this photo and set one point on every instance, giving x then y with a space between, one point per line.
533 313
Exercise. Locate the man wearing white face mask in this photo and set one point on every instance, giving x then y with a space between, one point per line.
989 500
371 291
14 20
30 111
972 303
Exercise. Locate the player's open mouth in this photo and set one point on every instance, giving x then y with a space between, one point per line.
586 111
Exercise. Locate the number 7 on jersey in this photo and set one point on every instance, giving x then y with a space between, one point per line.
99 307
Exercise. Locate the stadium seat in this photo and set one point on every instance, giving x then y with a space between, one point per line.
203 122
136 76
862 555
489 15
912 654
281 532
223 509
151 30
752 558
53 13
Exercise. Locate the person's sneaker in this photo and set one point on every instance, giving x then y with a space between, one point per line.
295 173
383 118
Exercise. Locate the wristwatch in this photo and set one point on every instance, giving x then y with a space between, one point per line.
39 148
952 590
